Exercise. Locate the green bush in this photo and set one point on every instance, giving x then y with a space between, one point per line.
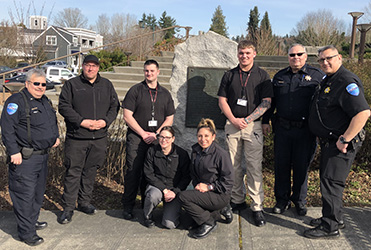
108 58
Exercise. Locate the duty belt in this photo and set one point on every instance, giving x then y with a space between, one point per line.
40 152
288 124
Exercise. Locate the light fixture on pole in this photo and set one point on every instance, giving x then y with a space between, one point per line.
355 16
363 28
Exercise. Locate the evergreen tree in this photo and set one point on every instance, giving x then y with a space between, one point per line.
253 24
166 22
218 23
265 25
148 21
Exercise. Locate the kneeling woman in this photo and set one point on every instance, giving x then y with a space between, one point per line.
212 176
166 169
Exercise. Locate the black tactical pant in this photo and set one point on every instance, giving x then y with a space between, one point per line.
334 169
82 159
27 187
136 150
203 207
293 149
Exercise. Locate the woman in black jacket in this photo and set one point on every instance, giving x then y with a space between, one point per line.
166 169
212 176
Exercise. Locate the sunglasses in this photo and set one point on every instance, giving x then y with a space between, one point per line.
296 54
322 60
38 84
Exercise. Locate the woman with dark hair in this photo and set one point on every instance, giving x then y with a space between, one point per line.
166 169
212 177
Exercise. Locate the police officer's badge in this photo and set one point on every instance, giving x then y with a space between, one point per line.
327 90
11 108
308 78
353 89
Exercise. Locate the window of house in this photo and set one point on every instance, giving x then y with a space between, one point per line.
51 40
75 41
35 22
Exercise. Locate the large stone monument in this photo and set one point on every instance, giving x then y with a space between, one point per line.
201 60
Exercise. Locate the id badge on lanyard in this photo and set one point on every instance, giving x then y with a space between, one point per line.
243 100
153 122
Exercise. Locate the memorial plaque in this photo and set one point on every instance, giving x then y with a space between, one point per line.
202 98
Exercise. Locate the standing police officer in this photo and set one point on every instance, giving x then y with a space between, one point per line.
294 144
29 129
89 104
147 108
338 114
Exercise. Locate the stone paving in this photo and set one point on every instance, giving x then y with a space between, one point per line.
107 230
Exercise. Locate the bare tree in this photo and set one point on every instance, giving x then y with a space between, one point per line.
367 11
22 47
318 28
103 26
267 43
71 17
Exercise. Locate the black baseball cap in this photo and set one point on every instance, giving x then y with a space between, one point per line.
91 58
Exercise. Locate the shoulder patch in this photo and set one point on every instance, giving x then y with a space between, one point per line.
12 108
353 89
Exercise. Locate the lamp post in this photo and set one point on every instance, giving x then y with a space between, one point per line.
355 16
363 28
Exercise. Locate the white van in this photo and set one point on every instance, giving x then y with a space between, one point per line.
56 74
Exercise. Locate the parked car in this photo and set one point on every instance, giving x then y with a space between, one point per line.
22 65
59 64
22 79
56 74
4 69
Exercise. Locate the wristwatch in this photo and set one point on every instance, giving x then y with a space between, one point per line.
210 187
343 141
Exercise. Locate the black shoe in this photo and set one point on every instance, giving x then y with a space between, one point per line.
66 217
128 214
40 225
320 232
301 209
89 209
318 221
259 218
34 240
279 209
227 214
203 231
149 223
238 206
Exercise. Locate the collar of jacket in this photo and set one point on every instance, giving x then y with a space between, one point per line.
159 153
29 96
302 70
199 150
84 80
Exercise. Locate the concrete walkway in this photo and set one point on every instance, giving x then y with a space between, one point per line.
107 230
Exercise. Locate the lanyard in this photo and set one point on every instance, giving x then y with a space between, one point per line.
153 100
243 85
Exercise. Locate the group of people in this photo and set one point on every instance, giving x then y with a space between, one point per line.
300 102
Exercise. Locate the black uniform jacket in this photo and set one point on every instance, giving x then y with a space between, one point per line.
293 93
214 167
44 129
337 100
81 100
167 171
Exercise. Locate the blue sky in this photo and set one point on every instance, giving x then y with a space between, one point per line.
283 14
